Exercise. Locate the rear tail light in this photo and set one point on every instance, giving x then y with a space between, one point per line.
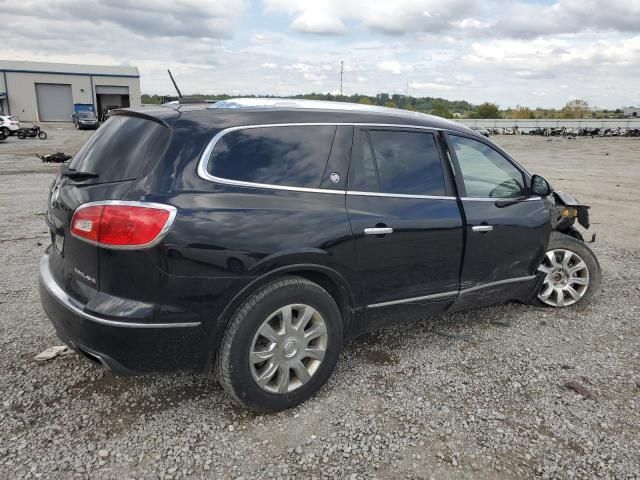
121 224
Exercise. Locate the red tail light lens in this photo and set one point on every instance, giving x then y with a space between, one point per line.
122 224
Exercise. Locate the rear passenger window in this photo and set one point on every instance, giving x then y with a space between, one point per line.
293 156
403 162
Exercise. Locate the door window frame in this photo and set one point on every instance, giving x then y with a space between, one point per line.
459 178
360 135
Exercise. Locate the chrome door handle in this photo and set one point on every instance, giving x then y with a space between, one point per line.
482 228
378 230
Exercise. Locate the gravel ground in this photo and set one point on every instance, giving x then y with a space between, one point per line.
480 394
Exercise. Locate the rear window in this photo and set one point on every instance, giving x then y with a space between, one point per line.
121 149
293 156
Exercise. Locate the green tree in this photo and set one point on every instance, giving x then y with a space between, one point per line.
522 112
575 109
390 104
487 110
365 101
441 111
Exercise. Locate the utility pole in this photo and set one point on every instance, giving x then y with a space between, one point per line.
341 74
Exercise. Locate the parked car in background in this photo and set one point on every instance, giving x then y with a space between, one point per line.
9 125
85 120
261 234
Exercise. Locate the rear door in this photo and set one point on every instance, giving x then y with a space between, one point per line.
507 227
406 224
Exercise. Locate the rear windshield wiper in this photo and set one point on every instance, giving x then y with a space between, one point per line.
76 174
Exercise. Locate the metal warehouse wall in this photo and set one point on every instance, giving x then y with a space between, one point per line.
21 90
526 125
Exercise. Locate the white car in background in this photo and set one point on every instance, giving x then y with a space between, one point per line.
9 125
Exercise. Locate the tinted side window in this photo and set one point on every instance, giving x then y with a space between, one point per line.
293 156
486 173
407 162
363 176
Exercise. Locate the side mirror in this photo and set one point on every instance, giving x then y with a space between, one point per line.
540 186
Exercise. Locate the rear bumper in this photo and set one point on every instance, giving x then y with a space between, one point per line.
124 347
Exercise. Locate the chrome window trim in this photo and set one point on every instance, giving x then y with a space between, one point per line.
398 195
414 299
160 206
203 163
498 283
76 307
501 199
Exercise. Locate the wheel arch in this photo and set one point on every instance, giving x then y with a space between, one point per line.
332 281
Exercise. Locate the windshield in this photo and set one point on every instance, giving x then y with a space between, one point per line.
121 149
88 115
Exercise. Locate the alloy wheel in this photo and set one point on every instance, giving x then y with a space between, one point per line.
566 278
288 348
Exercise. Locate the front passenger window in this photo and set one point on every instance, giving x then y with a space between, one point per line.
486 173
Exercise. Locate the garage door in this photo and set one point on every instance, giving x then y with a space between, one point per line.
111 90
55 102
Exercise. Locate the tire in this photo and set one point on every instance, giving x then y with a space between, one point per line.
42 135
239 377
21 136
584 279
5 131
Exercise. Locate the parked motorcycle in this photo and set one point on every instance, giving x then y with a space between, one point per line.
32 132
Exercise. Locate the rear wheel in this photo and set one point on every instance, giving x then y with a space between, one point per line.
571 272
281 345
5 131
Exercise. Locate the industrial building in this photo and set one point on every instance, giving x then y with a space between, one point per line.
48 92
633 112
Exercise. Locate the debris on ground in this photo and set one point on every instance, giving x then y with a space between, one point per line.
581 389
502 322
52 352
58 157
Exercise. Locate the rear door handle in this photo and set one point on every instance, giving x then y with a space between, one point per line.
378 230
482 228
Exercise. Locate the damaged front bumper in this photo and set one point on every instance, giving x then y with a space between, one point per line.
564 213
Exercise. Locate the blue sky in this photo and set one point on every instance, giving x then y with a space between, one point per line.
535 53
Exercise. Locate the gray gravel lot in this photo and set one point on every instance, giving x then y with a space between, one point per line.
479 394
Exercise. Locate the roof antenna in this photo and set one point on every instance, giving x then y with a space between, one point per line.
175 84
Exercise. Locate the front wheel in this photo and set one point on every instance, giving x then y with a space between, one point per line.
571 272
281 345
42 136
5 131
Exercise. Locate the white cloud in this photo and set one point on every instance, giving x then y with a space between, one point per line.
188 18
318 22
425 86
394 67
501 51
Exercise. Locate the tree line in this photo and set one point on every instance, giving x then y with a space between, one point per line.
432 105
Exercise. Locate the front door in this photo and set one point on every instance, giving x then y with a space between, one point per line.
507 227
406 224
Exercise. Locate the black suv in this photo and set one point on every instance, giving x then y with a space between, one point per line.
259 235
